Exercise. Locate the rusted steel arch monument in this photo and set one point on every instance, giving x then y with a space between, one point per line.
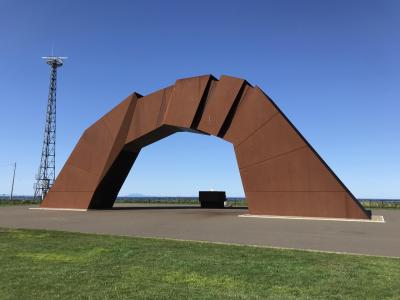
281 173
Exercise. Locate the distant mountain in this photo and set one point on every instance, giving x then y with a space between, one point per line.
138 195
135 195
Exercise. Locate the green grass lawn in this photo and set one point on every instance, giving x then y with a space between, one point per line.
49 265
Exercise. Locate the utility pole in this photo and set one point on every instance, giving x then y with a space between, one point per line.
46 175
13 179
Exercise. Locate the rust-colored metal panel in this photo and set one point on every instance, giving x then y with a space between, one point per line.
75 174
310 204
72 178
318 204
123 129
281 173
354 209
114 119
185 101
86 162
164 105
85 168
253 111
67 199
219 103
298 170
146 115
274 138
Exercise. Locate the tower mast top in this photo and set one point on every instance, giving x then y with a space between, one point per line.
55 61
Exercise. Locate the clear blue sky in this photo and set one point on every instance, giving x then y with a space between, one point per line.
332 66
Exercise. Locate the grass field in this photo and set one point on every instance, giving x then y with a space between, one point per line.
51 265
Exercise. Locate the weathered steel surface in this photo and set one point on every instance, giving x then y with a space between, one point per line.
281 173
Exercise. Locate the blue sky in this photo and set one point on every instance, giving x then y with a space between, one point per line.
332 66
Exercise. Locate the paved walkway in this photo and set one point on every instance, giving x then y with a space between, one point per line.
218 225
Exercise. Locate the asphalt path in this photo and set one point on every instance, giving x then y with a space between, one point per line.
218 225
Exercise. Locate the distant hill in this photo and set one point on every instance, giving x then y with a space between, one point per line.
134 195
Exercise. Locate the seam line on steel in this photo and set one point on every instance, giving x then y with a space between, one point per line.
258 128
164 101
272 157
75 166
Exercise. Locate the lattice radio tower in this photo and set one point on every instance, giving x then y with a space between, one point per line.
46 175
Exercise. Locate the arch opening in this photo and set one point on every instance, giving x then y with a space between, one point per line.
181 165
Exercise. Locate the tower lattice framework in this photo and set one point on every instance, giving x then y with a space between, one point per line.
46 174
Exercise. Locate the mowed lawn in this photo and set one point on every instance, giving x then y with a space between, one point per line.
38 264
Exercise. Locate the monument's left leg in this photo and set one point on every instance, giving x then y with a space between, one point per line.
98 165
